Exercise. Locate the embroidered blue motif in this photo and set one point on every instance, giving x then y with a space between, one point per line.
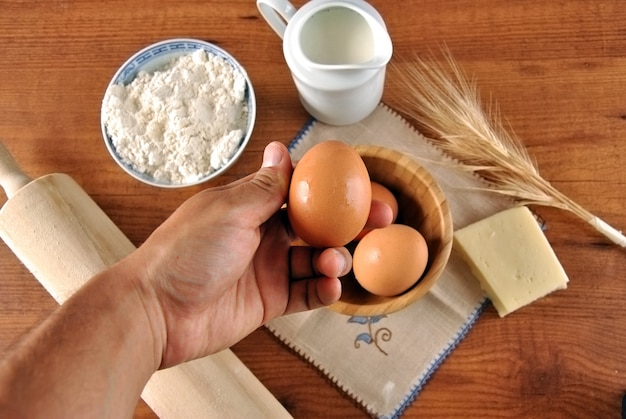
372 336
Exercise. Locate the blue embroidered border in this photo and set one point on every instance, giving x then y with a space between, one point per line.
416 390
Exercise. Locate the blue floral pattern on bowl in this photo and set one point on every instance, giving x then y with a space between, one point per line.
158 55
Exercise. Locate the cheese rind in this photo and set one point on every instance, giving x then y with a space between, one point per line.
511 258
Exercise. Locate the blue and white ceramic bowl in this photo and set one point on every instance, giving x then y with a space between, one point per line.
155 57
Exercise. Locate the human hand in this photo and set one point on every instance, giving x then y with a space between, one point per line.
222 265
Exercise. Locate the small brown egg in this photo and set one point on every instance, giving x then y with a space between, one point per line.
389 260
329 195
382 194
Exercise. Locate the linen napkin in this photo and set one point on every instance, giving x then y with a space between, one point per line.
383 362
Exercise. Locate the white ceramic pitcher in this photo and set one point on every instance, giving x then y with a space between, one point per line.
337 52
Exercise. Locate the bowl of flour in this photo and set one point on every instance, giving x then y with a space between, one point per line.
178 113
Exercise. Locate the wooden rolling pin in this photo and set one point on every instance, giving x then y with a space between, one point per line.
63 237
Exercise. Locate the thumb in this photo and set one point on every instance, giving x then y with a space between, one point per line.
268 188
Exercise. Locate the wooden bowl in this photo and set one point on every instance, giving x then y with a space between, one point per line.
421 205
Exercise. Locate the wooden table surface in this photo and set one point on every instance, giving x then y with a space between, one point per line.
557 70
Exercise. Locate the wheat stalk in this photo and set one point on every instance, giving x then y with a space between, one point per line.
448 106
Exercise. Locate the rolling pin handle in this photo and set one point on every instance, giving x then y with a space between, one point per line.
12 178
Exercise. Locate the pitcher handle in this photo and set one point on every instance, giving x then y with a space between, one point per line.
276 13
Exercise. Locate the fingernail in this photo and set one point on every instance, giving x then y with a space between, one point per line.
345 263
272 155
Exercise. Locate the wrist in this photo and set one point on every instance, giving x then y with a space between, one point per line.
143 307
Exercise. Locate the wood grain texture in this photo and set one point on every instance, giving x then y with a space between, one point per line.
557 70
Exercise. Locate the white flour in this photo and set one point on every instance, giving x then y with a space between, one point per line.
181 123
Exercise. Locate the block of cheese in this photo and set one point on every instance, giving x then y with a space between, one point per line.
512 259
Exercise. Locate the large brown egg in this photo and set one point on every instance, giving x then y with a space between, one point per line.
329 195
